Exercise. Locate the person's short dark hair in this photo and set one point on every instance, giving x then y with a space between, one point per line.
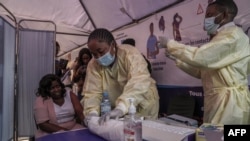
226 5
63 63
57 44
129 41
57 48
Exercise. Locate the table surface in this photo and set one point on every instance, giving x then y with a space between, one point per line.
76 135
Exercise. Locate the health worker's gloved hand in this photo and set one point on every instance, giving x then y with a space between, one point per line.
88 117
162 43
114 114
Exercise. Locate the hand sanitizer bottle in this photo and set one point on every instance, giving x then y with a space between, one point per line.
132 124
105 104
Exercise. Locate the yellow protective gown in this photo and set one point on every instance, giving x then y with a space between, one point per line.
223 66
127 78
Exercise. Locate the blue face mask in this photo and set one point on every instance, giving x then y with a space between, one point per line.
106 59
210 26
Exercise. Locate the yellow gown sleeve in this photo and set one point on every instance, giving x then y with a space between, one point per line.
225 48
92 90
193 71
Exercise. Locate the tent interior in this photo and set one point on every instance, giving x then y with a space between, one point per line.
75 19
29 29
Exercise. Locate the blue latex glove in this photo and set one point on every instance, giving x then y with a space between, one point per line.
114 114
88 117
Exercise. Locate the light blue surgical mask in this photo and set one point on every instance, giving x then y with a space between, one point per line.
210 26
106 59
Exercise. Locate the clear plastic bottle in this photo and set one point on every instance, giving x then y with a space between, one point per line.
105 104
132 124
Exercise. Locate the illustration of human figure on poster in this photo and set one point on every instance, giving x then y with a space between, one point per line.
152 47
177 19
162 24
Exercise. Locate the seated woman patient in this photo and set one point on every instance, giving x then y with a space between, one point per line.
56 109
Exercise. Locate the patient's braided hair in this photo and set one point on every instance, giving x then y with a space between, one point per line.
102 35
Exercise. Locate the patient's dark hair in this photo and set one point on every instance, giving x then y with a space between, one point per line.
82 52
45 85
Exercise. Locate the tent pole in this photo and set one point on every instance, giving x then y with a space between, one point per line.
142 18
87 12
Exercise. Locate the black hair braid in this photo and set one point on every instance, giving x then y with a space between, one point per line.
101 34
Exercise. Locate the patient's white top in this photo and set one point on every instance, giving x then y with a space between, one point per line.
65 112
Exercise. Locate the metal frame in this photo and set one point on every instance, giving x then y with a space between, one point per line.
41 21
17 26
15 124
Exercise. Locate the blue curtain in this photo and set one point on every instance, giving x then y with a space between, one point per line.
35 59
7 63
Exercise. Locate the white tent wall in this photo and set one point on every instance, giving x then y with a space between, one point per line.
113 14
69 16
75 19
